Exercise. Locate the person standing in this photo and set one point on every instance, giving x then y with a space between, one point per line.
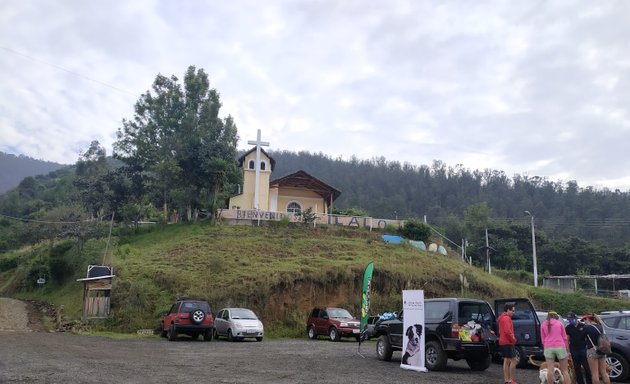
507 343
577 346
596 361
556 345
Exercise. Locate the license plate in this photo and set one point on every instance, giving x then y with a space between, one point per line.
355 331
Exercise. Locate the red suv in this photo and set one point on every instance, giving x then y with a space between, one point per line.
190 317
334 322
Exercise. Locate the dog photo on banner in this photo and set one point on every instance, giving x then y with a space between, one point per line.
413 327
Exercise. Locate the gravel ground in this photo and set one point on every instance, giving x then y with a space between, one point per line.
43 357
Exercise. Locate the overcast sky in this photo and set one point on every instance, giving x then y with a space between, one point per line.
537 88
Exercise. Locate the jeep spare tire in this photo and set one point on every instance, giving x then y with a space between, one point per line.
197 316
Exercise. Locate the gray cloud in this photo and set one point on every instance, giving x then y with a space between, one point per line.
535 88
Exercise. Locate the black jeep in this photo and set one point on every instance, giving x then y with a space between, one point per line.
443 320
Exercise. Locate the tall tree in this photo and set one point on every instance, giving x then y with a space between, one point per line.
91 179
180 143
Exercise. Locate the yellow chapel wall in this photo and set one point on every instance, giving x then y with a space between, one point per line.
246 199
306 199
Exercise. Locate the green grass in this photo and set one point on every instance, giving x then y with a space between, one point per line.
279 272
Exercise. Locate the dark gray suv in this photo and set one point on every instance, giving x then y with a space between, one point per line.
617 327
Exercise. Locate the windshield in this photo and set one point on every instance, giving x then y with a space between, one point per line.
339 313
191 306
244 314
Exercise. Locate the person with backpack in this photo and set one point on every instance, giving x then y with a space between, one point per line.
556 344
596 358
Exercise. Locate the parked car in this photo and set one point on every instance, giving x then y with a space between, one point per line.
333 322
237 324
188 316
617 327
443 320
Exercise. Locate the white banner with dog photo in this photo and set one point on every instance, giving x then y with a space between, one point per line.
413 327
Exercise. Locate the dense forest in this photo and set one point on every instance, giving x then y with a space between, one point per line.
176 160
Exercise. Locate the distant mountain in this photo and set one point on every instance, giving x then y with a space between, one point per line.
13 169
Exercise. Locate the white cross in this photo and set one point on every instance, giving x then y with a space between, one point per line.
258 144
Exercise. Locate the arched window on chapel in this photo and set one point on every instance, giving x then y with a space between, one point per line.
294 208
251 164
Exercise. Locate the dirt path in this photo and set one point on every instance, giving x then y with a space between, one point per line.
20 316
13 315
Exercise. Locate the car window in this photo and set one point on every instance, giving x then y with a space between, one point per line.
220 314
191 306
436 310
244 314
339 313
174 308
315 312
624 322
477 312
612 322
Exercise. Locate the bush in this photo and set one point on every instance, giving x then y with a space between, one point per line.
415 229
8 263
60 263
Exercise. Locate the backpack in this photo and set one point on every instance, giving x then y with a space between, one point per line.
603 344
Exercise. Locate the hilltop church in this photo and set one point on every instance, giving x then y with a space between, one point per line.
291 194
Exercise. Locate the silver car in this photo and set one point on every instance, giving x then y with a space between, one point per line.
237 324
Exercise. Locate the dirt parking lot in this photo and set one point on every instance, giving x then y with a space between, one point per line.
43 357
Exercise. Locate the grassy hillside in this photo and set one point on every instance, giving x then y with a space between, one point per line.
279 272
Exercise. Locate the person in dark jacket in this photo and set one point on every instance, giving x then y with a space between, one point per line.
507 343
577 346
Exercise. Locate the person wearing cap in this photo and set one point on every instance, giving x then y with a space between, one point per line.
577 346
556 345
596 362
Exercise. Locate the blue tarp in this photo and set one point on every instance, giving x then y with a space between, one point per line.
418 244
442 250
392 239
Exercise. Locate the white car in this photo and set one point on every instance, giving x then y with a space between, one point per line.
237 324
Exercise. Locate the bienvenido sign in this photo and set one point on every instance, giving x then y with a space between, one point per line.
340 220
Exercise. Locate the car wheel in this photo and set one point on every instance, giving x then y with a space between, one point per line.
207 335
333 333
197 316
311 333
618 366
230 336
163 333
383 348
435 357
259 339
172 333
521 360
215 334
479 363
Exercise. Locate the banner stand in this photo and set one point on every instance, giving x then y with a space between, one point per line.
413 327
365 304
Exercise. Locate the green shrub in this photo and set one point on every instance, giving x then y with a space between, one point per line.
415 229
8 263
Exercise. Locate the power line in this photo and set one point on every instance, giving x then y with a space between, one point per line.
68 71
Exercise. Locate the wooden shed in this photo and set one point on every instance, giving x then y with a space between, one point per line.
97 289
